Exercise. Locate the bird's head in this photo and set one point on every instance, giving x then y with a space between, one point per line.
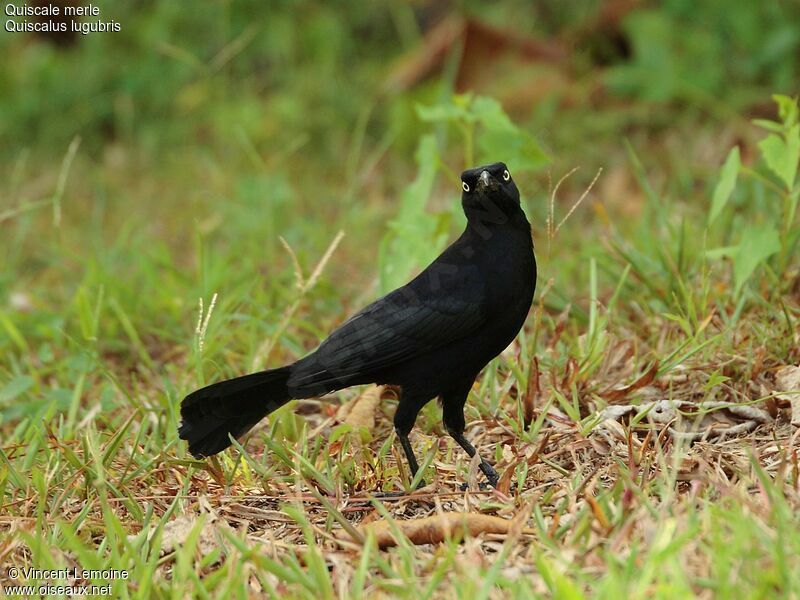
490 194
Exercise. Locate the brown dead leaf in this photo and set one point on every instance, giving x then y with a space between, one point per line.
571 372
177 531
438 528
362 412
689 420
475 42
504 483
511 459
787 382
613 396
597 511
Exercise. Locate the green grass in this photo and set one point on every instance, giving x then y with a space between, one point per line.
100 344
135 271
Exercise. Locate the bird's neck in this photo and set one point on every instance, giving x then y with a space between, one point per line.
484 224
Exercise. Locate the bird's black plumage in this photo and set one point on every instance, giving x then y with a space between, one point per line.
431 337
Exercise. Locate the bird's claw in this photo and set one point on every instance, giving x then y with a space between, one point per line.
492 478
483 486
491 475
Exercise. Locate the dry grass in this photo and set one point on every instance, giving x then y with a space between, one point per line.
608 490
641 422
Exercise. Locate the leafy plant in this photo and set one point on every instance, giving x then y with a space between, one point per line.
768 236
415 236
487 134
499 140
693 51
667 63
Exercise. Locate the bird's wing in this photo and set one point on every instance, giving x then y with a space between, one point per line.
433 310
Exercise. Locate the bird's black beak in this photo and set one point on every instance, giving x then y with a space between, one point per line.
485 180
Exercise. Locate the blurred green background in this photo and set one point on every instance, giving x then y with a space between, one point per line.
197 75
202 132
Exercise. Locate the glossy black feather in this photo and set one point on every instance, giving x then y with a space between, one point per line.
431 337
407 323
209 418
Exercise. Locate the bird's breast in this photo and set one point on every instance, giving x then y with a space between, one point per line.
510 271
511 274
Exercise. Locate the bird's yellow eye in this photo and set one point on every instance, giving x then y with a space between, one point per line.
506 175
465 186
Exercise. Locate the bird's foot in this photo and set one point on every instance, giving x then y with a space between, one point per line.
482 486
491 475
492 478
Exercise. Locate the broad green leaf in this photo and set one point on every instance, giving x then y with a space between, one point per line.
442 113
518 150
491 114
415 236
498 138
782 154
726 183
768 125
787 109
501 140
759 242
458 109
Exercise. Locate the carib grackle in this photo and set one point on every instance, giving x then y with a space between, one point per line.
430 337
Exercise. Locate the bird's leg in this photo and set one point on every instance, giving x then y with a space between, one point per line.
404 419
488 470
453 416
413 466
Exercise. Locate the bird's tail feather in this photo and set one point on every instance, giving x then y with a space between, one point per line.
212 414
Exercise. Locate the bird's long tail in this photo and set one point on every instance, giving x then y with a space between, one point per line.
212 414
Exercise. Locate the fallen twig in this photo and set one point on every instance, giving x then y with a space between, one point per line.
438 528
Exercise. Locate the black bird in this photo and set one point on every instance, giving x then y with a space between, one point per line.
431 337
